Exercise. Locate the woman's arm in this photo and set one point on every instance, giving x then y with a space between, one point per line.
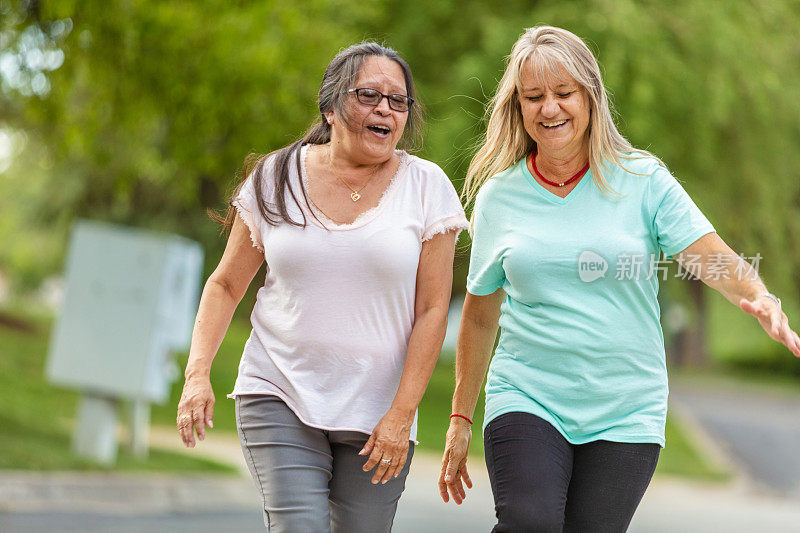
476 336
222 293
390 437
714 262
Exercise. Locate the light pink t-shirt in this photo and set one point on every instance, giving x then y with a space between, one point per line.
331 323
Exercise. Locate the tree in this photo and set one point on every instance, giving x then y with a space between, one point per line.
157 104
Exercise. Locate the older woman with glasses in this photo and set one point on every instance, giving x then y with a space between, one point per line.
358 239
576 394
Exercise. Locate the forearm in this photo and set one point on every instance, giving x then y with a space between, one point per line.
723 270
473 352
214 316
737 284
424 345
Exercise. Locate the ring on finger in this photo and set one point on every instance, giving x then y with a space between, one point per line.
386 461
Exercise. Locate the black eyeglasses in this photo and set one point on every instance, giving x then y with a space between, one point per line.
398 102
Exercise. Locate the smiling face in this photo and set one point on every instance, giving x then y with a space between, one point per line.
372 132
555 112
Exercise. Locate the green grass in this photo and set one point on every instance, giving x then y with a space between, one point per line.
36 418
681 457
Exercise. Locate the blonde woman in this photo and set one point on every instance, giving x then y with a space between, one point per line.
576 394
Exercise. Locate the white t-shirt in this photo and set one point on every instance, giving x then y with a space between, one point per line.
331 323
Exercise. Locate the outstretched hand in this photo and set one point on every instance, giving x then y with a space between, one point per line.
773 320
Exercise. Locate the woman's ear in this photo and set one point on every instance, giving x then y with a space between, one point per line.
329 117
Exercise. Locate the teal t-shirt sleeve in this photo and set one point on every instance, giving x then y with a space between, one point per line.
676 221
486 273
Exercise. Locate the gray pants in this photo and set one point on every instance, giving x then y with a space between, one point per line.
311 479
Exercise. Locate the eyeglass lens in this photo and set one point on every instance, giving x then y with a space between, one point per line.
397 102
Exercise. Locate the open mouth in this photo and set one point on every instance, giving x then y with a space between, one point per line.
554 125
381 131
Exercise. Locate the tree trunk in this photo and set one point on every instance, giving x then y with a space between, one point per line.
689 347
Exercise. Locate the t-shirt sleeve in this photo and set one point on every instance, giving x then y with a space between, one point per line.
676 221
247 207
441 206
486 273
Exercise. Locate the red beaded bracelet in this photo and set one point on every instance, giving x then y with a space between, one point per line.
461 416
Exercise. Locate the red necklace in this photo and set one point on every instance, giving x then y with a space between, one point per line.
577 176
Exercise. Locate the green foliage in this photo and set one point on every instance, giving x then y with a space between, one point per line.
738 344
156 104
708 86
150 111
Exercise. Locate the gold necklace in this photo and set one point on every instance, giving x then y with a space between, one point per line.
355 194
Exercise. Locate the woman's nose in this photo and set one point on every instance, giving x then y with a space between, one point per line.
383 106
550 107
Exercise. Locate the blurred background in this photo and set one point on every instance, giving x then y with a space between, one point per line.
141 113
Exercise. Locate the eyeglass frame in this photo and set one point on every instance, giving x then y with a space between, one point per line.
387 96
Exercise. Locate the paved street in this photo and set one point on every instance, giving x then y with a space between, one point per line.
152 504
757 430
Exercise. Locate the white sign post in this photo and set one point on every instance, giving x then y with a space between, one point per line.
130 300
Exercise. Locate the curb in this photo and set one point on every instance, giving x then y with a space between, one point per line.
101 493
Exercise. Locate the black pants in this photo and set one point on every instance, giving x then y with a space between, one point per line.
542 483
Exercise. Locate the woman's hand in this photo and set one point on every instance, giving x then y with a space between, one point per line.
196 409
773 320
388 446
454 461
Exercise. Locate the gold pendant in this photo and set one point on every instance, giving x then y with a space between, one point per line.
355 196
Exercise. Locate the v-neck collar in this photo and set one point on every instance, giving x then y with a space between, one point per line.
549 196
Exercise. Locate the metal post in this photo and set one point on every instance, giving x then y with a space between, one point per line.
140 428
95 435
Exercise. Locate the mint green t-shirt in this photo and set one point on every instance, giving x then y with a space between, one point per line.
581 344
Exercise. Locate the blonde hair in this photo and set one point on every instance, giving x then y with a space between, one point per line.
506 140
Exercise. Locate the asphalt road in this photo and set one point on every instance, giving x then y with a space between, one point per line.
759 430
